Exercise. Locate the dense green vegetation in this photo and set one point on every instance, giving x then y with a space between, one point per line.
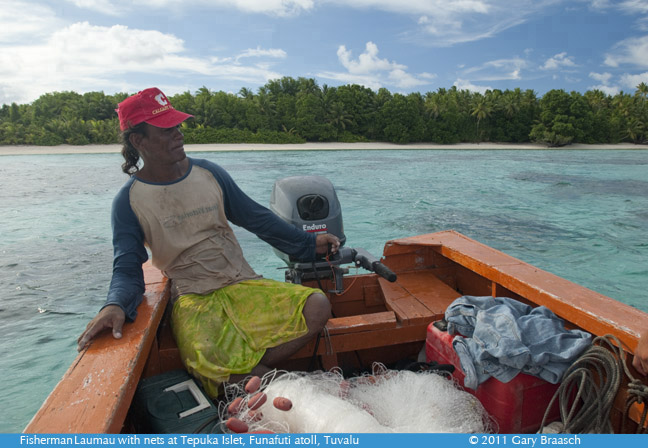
292 110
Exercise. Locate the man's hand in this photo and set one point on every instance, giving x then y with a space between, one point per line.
640 361
324 240
111 316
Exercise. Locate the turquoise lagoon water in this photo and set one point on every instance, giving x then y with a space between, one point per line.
580 214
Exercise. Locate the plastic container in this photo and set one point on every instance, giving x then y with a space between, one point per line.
516 407
173 403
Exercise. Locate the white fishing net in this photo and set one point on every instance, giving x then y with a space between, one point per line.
385 401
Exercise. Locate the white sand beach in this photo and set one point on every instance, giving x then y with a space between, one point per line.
102 149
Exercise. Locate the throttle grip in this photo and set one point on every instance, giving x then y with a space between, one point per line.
384 272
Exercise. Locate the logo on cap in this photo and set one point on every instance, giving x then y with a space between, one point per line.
160 98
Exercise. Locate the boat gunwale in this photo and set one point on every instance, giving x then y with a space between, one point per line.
96 391
587 309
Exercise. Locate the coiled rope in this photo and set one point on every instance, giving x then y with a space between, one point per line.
637 393
588 388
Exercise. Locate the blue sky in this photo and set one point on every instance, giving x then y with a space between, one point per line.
402 45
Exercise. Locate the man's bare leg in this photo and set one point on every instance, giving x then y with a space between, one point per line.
317 311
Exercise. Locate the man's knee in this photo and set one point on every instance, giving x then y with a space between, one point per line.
317 312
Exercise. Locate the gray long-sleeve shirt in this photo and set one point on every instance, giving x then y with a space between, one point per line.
185 225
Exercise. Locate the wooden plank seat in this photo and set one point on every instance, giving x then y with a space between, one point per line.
412 302
363 322
417 297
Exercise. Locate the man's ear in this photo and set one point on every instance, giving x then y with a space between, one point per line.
135 140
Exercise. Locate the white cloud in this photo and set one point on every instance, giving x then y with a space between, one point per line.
371 82
403 80
561 60
83 57
21 21
601 77
445 23
107 7
598 4
637 9
634 6
604 86
367 62
627 6
463 84
373 72
630 82
270 7
259 52
642 23
633 51
498 70
608 90
421 7
276 7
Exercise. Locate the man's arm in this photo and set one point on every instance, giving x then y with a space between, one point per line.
243 211
127 284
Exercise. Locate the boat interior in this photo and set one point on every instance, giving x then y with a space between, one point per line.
375 320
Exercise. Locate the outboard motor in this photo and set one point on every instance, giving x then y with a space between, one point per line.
311 204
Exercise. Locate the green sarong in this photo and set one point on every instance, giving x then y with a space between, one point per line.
228 331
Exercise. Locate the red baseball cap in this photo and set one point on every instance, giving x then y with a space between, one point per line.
150 106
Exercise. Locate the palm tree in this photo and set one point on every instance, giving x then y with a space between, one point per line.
308 86
510 105
338 117
326 96
635 130
641 97
204 111
622 102
246 93
483 109
432 105
265 103
529 99
597 99
290 131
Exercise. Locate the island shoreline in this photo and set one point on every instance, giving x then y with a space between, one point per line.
222 147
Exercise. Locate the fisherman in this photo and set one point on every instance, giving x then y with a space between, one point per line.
640 361
228 322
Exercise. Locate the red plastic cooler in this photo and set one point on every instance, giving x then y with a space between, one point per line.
517 406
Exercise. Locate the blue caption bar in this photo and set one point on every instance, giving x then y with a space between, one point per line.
320 440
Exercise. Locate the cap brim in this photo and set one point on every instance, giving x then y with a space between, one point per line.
169 119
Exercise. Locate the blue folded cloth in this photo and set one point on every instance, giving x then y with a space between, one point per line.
500 337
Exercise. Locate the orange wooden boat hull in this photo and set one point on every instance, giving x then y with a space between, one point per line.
375 321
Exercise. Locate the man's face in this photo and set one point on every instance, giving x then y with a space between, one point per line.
161 145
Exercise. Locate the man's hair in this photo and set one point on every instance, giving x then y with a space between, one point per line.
130 154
